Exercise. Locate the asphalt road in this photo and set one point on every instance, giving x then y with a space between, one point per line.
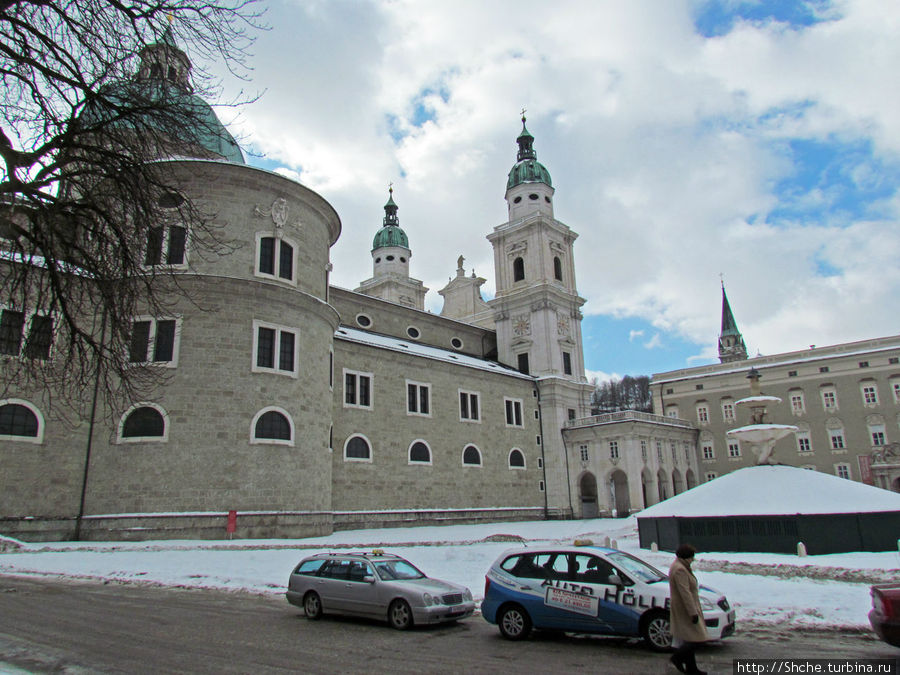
49 626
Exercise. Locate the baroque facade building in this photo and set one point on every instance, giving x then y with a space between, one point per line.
292 407
844 399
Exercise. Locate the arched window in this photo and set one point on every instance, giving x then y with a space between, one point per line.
273 425
471 456
557 268
357 449
19 421
419 453
518 269
144 422
516 459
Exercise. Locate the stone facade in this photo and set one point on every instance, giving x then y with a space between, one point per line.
844 398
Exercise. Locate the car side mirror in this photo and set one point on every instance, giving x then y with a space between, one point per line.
369 579
615 580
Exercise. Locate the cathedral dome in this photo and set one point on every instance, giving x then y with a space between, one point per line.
527 169
160 101
390 234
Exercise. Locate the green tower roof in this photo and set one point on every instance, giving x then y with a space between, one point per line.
390 233
527 169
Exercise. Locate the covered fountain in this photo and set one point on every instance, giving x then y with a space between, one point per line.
771 507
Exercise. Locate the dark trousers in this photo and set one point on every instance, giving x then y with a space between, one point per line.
684 655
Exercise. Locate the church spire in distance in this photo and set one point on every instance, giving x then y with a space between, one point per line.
731 343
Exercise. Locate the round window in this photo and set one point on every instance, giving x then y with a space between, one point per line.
517 200
547 199
363 320
389 258
402 259
171 200
456 343
413 332
533 197
377 260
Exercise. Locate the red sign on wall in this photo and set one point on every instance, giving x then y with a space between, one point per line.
232 522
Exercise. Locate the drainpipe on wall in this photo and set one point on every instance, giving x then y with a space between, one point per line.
90 438
543 440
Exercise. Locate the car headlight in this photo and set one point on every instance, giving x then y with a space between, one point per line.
467 596
706 604
427 599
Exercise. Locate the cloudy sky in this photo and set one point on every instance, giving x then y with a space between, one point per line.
686 139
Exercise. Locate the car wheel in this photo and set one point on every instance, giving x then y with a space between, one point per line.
312 605
657 632
400 615
514 623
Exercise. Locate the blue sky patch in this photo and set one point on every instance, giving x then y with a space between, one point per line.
638 347
713 18
834 180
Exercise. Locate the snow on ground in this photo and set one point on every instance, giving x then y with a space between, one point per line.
765 588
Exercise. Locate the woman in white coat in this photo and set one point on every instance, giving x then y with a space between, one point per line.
685 615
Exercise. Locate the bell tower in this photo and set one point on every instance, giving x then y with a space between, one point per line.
731 342
390 263
537 311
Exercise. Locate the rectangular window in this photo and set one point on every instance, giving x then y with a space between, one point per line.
708 452
703 414
711 475
522 361
734 449
468 406
803 443
659 455
792 373
870 394
571 413
842 471
797 404
672 411
863 364
13 339
357 389
513 412
172 239
728 412
276 258
837 439
896 387
418 399
824 369
674 450
614 450
275 349
877 433
829 399
583 450
644 450
567 363
154 341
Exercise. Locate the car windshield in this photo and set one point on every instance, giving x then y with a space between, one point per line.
395 570
635 568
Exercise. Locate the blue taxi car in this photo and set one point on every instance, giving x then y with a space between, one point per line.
587 589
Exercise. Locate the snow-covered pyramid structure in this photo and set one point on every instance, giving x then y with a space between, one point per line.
772 508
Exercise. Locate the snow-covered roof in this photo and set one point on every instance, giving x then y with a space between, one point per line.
424 351
775 490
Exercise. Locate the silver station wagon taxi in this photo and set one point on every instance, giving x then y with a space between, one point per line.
377 585
587 589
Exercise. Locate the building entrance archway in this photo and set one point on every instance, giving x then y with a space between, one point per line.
621 500
587 490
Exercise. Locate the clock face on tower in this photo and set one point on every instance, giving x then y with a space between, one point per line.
562 324
522 324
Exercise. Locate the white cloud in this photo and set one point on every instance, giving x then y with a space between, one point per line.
665 148
634 335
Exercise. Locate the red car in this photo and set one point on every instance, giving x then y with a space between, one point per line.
885 614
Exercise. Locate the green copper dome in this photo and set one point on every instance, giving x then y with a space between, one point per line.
160 100
527 169
390 233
